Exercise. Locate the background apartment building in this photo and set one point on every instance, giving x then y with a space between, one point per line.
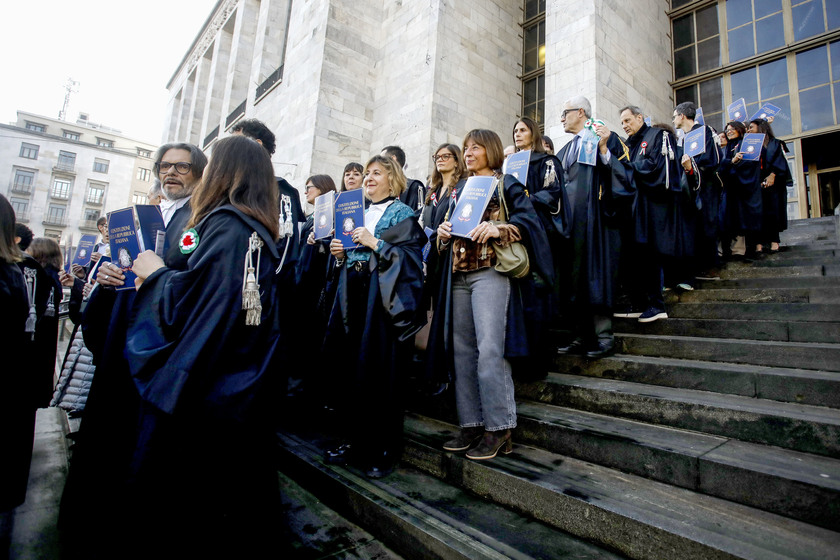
61 177
339 80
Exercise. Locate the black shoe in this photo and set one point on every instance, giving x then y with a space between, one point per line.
338 455
381 465
605 348
575 347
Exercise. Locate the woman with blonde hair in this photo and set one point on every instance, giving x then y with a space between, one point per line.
478 322
374 317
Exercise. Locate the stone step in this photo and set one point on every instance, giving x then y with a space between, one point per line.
421 516
749 270
800 252
816 312
788 260
797 485
782 331
641 518
810 429
789 294
770 282
807 355
809 387
310 529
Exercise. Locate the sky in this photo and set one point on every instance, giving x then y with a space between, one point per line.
121 53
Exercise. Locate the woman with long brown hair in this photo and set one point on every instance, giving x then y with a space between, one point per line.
449 169
201 347
17 415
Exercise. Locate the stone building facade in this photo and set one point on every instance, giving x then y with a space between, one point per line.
337 81
61 177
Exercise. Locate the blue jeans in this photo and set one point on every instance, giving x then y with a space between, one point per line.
483 382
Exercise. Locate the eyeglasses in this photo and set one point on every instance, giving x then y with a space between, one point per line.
182 167
306 189
442 157
567 111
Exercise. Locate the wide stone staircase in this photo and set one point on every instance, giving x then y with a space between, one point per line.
714 434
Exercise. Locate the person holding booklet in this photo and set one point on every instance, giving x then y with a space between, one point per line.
375 314
201 346
742 187
478 325
775 174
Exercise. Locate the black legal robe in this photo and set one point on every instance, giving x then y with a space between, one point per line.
711 188
742 187
524 345
774 197
595 194
414 195
662 217
17 414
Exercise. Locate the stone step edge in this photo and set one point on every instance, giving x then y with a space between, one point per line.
382 513
602 519
745 341
579 367
699 449
685 408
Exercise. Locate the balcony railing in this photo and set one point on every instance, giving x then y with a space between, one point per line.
235 114
23 188
21 216
88 225
212 136
59 195
273 79
55 221
93 201
65 167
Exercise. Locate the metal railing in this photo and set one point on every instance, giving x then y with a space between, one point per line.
210 137
235 114
54 221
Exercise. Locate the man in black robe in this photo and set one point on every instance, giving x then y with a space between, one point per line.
291 212
657 212
414 195
106 438
707 236
593 192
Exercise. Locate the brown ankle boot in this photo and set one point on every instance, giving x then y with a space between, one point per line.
465 439
491 444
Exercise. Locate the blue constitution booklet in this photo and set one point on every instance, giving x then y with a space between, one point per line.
694 143
751 146
349 214
698 118
737 110
152 228
765 111
324 215
472 201
124 242
84 250
517 165
588 148
428 246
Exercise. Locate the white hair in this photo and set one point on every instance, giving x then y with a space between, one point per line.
580 102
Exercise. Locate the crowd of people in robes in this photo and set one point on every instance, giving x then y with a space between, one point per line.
177 377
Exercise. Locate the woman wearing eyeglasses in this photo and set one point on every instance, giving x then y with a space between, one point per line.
478 323
742 192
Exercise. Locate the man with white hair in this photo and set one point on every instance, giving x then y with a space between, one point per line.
595 194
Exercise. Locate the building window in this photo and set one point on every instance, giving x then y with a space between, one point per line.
144 174
91 215
35 127
29 151
70 135
100 165
139 198
20 205
817 79
533 60
763 83
23 180
104 143
754 27
55 215
144 153
61 189
66 160
52 234
95 194
696 42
